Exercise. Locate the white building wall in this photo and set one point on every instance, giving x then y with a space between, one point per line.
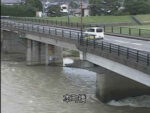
86 12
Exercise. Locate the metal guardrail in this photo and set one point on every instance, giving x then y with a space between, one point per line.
108 29
129 53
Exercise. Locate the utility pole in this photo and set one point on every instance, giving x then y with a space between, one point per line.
68 15
81 19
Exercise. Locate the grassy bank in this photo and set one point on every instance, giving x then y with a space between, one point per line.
95 19
143 18
142 30
141 26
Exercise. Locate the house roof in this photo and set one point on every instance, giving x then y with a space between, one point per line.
85 6
77 11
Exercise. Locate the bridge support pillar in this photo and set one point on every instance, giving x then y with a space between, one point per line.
35 58
111 86
82 55
36 53
56 55
29 53
41 53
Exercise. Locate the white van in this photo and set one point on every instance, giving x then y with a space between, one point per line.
98 32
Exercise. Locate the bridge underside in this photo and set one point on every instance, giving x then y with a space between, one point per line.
112 86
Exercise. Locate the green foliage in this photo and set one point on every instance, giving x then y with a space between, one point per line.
104 7
74 4
137 6
54 10
15 10
28 9
34 5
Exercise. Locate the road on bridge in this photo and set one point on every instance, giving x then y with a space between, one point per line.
122 41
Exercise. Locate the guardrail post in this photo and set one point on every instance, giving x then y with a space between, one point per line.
118 50
139 32
38 29
70 34
120 30
91 26
55 31
103 27
23 26
127 53
137 58
129 31
110 48
62 33
61 22
94 42
32 27
43 29
49 30
87 41
112 29
148 59
78 37
47 21
56 22
28 27
102 45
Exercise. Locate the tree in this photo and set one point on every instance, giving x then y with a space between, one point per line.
54 10
15 10
137 6
99 7
34 5
74 4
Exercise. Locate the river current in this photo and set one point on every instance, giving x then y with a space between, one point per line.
40 89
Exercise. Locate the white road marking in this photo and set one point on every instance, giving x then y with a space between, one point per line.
128 42
121 41
137 44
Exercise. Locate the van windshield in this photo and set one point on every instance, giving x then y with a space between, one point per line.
90 30
99 30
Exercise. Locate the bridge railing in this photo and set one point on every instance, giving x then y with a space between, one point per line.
137 55
130 31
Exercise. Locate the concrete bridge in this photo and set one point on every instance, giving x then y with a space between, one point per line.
125 70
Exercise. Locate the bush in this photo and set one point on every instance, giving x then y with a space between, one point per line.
17 10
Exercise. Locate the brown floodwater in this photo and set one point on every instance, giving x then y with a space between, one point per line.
40 89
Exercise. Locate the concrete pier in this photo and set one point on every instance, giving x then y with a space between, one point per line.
112 86
41 53
56 56
29 53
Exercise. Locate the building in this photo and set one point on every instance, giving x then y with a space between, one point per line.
85 10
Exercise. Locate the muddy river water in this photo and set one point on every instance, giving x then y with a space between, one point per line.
40 89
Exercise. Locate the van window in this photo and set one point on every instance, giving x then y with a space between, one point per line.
90 30
64 8
99 30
